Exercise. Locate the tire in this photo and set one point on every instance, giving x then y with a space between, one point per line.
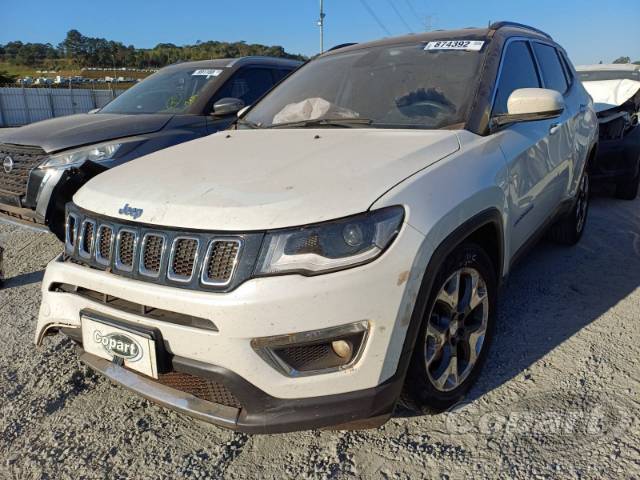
424 389
569 229
628 189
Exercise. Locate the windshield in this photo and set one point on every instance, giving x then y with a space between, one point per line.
167 91
401 86
601 75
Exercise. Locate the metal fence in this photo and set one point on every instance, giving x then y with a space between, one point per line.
20 106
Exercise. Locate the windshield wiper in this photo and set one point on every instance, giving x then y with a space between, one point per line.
325 122
248 123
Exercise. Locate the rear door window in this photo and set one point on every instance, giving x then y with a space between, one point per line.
279 74
552 72
518 71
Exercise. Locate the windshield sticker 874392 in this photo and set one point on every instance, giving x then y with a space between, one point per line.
473 45
208 72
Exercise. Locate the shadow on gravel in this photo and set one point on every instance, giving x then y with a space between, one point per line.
556 291
24 279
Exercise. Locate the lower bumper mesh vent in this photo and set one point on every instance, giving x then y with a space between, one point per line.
199 387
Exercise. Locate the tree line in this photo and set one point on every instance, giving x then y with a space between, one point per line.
82 51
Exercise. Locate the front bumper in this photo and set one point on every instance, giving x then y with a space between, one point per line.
381 293
260 412
31 210
22 217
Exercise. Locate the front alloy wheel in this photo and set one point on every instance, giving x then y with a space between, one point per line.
456 329
455 333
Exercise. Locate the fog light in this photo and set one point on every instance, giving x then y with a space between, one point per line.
314 352
342 348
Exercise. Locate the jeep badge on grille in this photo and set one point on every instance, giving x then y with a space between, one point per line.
7 164
130 211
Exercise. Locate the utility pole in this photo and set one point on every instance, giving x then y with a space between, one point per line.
321 25
428 24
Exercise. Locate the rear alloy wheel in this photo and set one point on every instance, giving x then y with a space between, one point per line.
569 229
456 331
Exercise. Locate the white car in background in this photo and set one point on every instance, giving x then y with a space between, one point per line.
342 247
615 90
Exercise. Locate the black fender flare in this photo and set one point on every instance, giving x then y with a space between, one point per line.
490 216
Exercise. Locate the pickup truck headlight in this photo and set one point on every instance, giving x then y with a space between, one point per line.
330 246
94 153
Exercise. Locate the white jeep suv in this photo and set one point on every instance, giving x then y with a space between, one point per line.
341 248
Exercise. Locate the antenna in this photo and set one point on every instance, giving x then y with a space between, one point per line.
321 25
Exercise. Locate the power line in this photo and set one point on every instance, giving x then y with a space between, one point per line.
414 11
395 9
375 17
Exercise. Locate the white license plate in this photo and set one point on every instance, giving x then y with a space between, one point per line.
137 351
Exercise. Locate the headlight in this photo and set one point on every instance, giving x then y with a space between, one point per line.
330 246
95 153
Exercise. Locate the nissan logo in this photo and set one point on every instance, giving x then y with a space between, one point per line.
7 164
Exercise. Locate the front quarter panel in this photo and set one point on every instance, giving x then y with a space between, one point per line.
450 192
443 197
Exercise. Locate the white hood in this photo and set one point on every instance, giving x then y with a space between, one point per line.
608 94
260 179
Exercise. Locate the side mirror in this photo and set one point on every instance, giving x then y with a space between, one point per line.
95 110
227 106
530 104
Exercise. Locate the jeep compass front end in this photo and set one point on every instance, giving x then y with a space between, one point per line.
338 250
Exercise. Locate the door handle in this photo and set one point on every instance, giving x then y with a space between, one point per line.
554 128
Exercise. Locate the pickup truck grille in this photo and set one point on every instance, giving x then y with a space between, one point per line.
197 260
14 173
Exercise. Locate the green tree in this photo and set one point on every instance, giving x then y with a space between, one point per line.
6 78
622 60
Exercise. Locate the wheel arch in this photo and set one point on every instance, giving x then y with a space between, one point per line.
481 229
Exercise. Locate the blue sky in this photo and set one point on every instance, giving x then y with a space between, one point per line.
591 30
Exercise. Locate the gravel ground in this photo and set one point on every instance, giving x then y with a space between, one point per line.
559 396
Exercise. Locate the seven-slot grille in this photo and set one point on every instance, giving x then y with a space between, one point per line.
23 160
195 260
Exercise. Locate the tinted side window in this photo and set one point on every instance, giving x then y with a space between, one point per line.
551 69
279 74
518 71
568 71
248 84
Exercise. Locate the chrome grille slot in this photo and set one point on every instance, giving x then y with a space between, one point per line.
126 249
184 256
71 232
153 247
220 262
104 245
86 238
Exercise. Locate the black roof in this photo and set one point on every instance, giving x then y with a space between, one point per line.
508 28
237 62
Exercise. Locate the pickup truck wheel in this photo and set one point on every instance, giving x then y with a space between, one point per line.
569 229
455 333
628 189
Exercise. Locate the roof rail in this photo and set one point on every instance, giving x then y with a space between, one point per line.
497 25
342 45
